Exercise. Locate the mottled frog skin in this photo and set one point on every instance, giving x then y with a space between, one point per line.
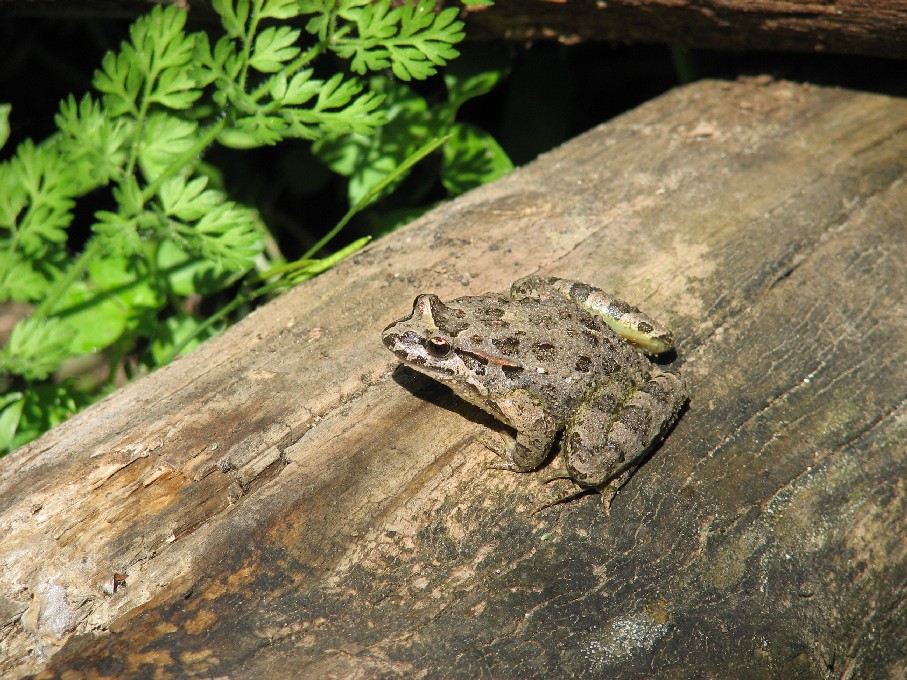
553 355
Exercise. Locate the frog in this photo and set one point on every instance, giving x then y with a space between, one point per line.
552 357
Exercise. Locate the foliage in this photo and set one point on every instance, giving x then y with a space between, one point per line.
169 234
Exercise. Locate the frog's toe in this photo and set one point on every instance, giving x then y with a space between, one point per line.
509 466
499 443
553 474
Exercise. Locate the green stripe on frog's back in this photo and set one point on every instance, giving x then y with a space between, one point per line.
628 322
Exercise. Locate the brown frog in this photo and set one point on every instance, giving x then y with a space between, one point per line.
552 355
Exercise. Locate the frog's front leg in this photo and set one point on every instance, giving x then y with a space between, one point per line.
535 431
611 433
628 322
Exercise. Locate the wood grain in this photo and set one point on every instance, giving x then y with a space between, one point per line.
286 501
876 28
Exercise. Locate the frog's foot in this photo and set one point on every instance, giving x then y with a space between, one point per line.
555 473
522 453
610 490
503 446
579 493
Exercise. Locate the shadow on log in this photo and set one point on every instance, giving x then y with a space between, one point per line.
280 504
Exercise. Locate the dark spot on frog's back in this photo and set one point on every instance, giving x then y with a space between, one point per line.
609 366
544 351
618 308
511 371
453 322
589 321
506 346
580 291
584 364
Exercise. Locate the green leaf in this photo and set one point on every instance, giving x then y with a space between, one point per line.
472 157
367 160
36 347
153 64
474 74
232 17
164 139
119 232
11 406
175 331
279 9
35 204
300 89
46 406
119 83
94 319
128 279
337 110
273 47
228 235
28 280
412 39
187 274
4 123
257 130
189 201
92 140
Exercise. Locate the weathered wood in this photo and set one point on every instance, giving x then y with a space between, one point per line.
284 502
877 28
847 27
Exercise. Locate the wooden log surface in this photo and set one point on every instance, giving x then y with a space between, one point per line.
286 502
877 28
846 27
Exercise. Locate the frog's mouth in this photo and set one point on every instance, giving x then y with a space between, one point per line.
407 347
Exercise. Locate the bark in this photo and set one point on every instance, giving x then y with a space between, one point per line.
848 27
286 501
877 28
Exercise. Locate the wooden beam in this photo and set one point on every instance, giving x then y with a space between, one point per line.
286 500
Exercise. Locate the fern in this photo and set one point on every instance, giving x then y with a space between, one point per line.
164 98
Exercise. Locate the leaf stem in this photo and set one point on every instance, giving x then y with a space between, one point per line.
62 284
376 190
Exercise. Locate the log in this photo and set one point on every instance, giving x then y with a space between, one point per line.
286 501
875 28
847 27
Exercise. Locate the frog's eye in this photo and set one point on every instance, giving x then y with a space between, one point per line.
438 346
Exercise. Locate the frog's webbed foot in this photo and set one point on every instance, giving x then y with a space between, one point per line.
562 500
633 325
535 431
503 446
610 490
555 473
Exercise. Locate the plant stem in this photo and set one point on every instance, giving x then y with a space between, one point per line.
376 190
62 284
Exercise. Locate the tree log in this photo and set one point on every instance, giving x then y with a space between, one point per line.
286 501
847 27
877 28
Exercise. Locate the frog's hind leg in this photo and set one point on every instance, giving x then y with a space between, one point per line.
633 325
606 443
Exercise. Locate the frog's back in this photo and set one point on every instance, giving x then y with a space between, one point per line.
551 348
